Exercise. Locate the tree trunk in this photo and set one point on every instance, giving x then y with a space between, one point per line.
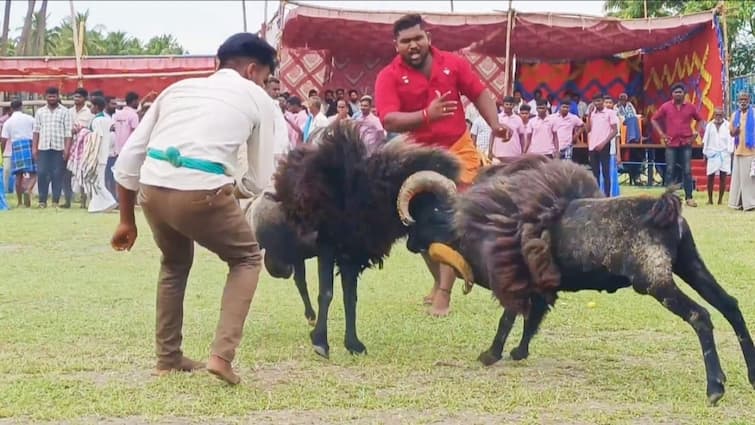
39 43
23 44
6 25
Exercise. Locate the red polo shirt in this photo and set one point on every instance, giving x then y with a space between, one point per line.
402 88
677 122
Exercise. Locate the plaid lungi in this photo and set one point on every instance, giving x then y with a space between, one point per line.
22 160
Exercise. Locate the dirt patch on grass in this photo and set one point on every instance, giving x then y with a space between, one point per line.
10 247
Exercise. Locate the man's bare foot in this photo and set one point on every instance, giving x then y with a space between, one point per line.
184 365
428 299
222 370
441 304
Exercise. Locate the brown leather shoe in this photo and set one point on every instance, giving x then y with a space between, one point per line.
184 365
221 368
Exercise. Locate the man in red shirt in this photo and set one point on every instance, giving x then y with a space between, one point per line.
676 133
419 92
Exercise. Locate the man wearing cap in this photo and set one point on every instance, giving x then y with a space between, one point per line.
673 122
181 159
420 92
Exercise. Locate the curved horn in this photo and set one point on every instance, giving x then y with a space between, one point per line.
419 182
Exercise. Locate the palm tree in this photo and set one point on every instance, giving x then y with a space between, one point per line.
164 44
6 25
41 30
117 43
91 43
23 44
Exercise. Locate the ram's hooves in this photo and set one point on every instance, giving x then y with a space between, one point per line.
487 358
715 392
356 348
321 351
519 354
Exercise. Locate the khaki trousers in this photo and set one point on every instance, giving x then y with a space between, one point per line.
214 220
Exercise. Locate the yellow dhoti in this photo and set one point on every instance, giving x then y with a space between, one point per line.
470 158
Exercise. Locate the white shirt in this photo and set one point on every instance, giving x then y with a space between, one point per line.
101 126
82 118
280 144
715 139
19 126
319 121
206 118
481 130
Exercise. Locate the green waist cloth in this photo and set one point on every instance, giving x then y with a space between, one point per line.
173 156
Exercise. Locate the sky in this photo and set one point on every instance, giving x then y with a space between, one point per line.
201 26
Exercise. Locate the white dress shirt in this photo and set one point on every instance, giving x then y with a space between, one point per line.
19 126
204 118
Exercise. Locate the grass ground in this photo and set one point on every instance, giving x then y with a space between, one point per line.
77 323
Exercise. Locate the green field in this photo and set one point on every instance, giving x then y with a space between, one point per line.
77 332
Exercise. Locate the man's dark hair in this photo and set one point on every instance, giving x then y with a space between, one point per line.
81 91
525 107
407 21
272 79
247 46
52 90
679 86
353 91
508 99
16 105
131 97
294 100
566 101
108 98
329 91
99 102
518 91
597 96
312 92
541 102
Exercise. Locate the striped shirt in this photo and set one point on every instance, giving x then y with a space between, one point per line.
53 126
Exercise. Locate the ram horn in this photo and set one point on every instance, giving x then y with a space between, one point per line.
419 182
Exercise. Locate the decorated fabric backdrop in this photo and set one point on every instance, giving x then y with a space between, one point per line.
697 63
302 70
607 76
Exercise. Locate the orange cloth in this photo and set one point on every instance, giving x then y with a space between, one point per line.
471 159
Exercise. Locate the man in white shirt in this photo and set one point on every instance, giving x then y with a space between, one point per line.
316 119
182 160
15 138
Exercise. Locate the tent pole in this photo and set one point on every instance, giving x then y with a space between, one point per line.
645 6
76 46
452 6
264 21
243 12
727 84
507 70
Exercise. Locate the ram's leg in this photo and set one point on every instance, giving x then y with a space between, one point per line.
531 325
495 352
668 294
319 335
349 278
300 278
690 267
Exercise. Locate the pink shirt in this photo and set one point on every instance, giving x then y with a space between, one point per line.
125 122
542 131
514 146
300 119
564 127
371 131
600 126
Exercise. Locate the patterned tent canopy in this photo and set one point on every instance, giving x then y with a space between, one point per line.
536 36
